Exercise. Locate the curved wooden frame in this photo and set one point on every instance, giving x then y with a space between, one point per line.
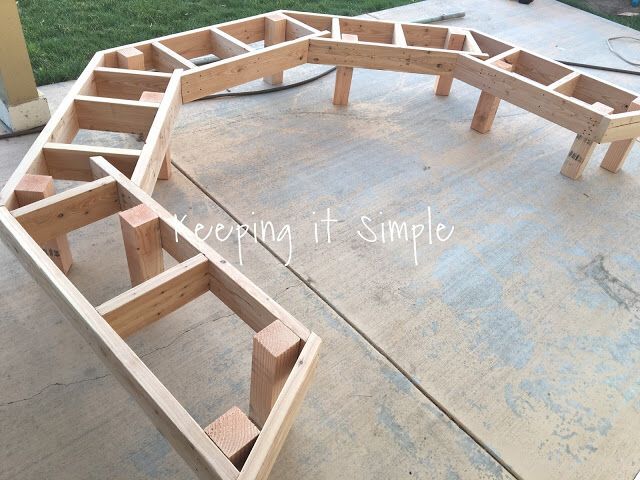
139 88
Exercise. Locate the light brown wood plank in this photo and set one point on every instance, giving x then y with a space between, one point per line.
275 350
157 297
33 188
69 210
71 161
234 434
114 115
142 243
275 430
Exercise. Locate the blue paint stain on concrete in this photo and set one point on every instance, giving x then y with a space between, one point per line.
476 297
386 418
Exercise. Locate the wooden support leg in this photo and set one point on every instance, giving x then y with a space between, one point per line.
165 168
343 77
130 58
31 189
142 243
275 30
275 350
581 151
619 151
454 41
485 112
234 434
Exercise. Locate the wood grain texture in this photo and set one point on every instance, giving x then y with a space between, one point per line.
275 31
234 434
343 78
142 243
275 350
455 40
114 115
581 151
154 152
618 151
166 413
130 58
38 187
157 297
71 161
67 211
128 85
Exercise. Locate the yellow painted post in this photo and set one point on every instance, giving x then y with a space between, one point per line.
22 106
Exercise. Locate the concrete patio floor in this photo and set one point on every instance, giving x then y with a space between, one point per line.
509 350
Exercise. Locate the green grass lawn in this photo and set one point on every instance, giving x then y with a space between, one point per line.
62 35
633 22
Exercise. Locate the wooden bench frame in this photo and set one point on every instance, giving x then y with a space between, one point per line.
139 89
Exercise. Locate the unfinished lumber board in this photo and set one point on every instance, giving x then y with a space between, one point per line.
166 60
485 113
226 73
274 432
335 28
235 290
618 151
275 349
165 168
296 29
567 84
530 95
143 246
325 51
398 35
71 161
114 115
224 45
154 152
69 210
247 30
581 151
38 187
33 162
128 85
157 297
130 58
275 31
343 78
454 41
234 434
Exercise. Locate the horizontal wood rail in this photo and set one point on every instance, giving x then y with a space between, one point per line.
71 161
69 210
128 84
114 115
159 296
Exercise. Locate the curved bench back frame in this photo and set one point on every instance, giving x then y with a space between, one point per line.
139 88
